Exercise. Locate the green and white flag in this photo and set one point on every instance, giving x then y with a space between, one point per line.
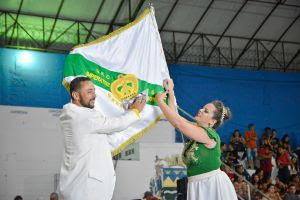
121 65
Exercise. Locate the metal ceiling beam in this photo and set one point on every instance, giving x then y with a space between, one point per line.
230 47
219 51
38 49
254 34
194 29
115 17
169 14
283 53
168 53
273 3
192 43
6 28
43 24
174 45
59 18
203 49
61 34
225 30
166 30
257 52
138 8
55 20
78 33
229 36
269 51
86 29
290 62
281 36
23 30
94 20
14 26
129 10
229 60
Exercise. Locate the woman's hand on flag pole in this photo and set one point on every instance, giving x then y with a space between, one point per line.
168 85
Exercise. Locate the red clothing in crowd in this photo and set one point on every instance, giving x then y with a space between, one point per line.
250 137
265 164
284 159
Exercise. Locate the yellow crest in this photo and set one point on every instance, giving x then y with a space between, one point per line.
125 87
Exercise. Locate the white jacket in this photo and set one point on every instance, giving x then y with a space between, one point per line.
87 153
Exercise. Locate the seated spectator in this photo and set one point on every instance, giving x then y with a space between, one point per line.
260 174
229 173
267 133
273 138
53 196
240 187
18 197
295 180
280 185
255 195
239 145
283 165
241 170
285 143
291 193
148 196
256 181
294 164
297 152
266 183
232 156
224 153
272 193
275 150
237 141
265 158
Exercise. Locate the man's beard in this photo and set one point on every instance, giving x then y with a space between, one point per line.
88 104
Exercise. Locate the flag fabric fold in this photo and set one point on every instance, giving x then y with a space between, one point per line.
121 65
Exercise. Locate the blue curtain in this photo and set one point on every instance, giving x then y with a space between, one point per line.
263 98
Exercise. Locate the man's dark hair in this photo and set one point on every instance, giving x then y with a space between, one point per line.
53 195
292 185
75 84
250 125
18 197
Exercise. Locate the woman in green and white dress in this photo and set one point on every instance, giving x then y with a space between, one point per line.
202 153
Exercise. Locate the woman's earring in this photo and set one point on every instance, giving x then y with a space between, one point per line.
209 125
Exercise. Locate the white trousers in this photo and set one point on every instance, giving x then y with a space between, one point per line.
97 190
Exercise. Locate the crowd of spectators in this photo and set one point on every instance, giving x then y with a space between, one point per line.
272 166
53 196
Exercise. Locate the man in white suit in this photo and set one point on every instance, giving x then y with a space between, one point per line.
87 171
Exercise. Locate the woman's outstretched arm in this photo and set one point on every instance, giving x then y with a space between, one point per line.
190 130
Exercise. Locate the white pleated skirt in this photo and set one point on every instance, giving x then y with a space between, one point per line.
214 185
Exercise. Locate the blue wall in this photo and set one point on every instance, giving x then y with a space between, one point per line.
33 83
263 98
